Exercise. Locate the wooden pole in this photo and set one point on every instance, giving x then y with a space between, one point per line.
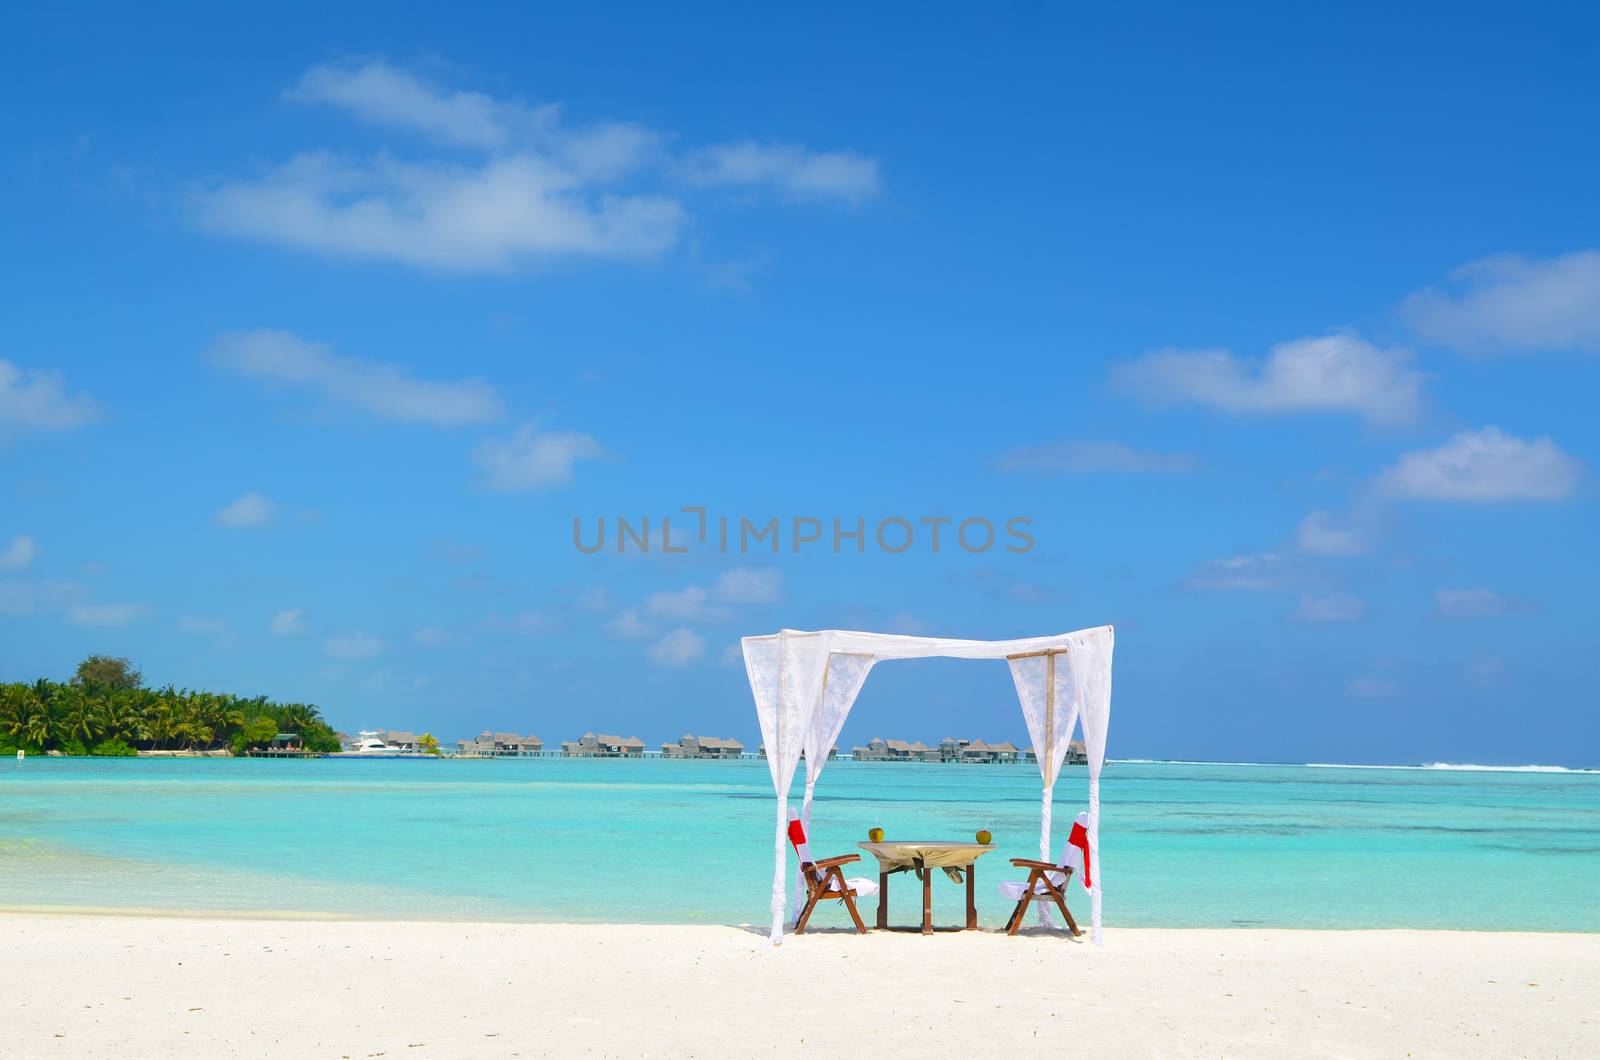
1036 654
927 899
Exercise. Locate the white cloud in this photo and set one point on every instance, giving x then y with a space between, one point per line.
1484 466
1330 607
382 389
790 169
1373 688
18 553
678 648
733 654
440 214
736 274
627 625
105 614
202 625
1258 572
434 637
1026 592
531 459
1320 535
525 623
514 184
746 586
1332 373
1486 670
1479 603
1087 458
288 622
593 598
355 645
381 94
248 511
22 596
32 400
695 603
690 604
1510 303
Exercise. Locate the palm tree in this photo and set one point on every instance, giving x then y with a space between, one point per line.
39 727
190 732
118 717
218 714
82 721
161 721
298 717
44 690
17 704
45 714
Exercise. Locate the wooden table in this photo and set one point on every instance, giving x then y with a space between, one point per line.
922 858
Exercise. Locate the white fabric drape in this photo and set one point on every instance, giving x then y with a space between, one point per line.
1050 707
841 681
763 665
805 683
785 675
1091 676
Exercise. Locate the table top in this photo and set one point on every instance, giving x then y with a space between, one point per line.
936 853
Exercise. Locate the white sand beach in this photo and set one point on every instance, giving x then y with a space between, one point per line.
78 985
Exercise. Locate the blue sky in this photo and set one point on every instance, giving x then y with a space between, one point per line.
1279 326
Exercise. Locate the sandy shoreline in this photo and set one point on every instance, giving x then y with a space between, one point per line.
107 985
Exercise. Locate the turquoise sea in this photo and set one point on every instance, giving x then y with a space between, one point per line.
564 839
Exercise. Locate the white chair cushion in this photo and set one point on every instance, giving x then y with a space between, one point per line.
860 886
1013 890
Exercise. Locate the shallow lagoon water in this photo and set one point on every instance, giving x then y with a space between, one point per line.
1183 845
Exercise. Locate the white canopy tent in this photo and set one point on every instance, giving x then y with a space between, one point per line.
805 683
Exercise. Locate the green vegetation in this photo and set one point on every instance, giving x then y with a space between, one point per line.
107 670
105 710
429 743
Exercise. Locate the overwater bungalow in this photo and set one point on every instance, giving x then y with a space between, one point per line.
761 752
590 745
880 750
1077 754
501 745
690 746
400 740
978 752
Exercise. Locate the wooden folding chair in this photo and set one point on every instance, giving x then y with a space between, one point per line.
825 882
825 879
1039 888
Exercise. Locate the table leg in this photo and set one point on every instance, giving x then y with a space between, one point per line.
972 891
883 899
927 901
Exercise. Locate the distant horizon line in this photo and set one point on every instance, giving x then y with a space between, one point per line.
1460 767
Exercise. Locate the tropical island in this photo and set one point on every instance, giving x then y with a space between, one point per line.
106 710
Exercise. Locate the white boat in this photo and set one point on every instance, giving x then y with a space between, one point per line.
368 742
